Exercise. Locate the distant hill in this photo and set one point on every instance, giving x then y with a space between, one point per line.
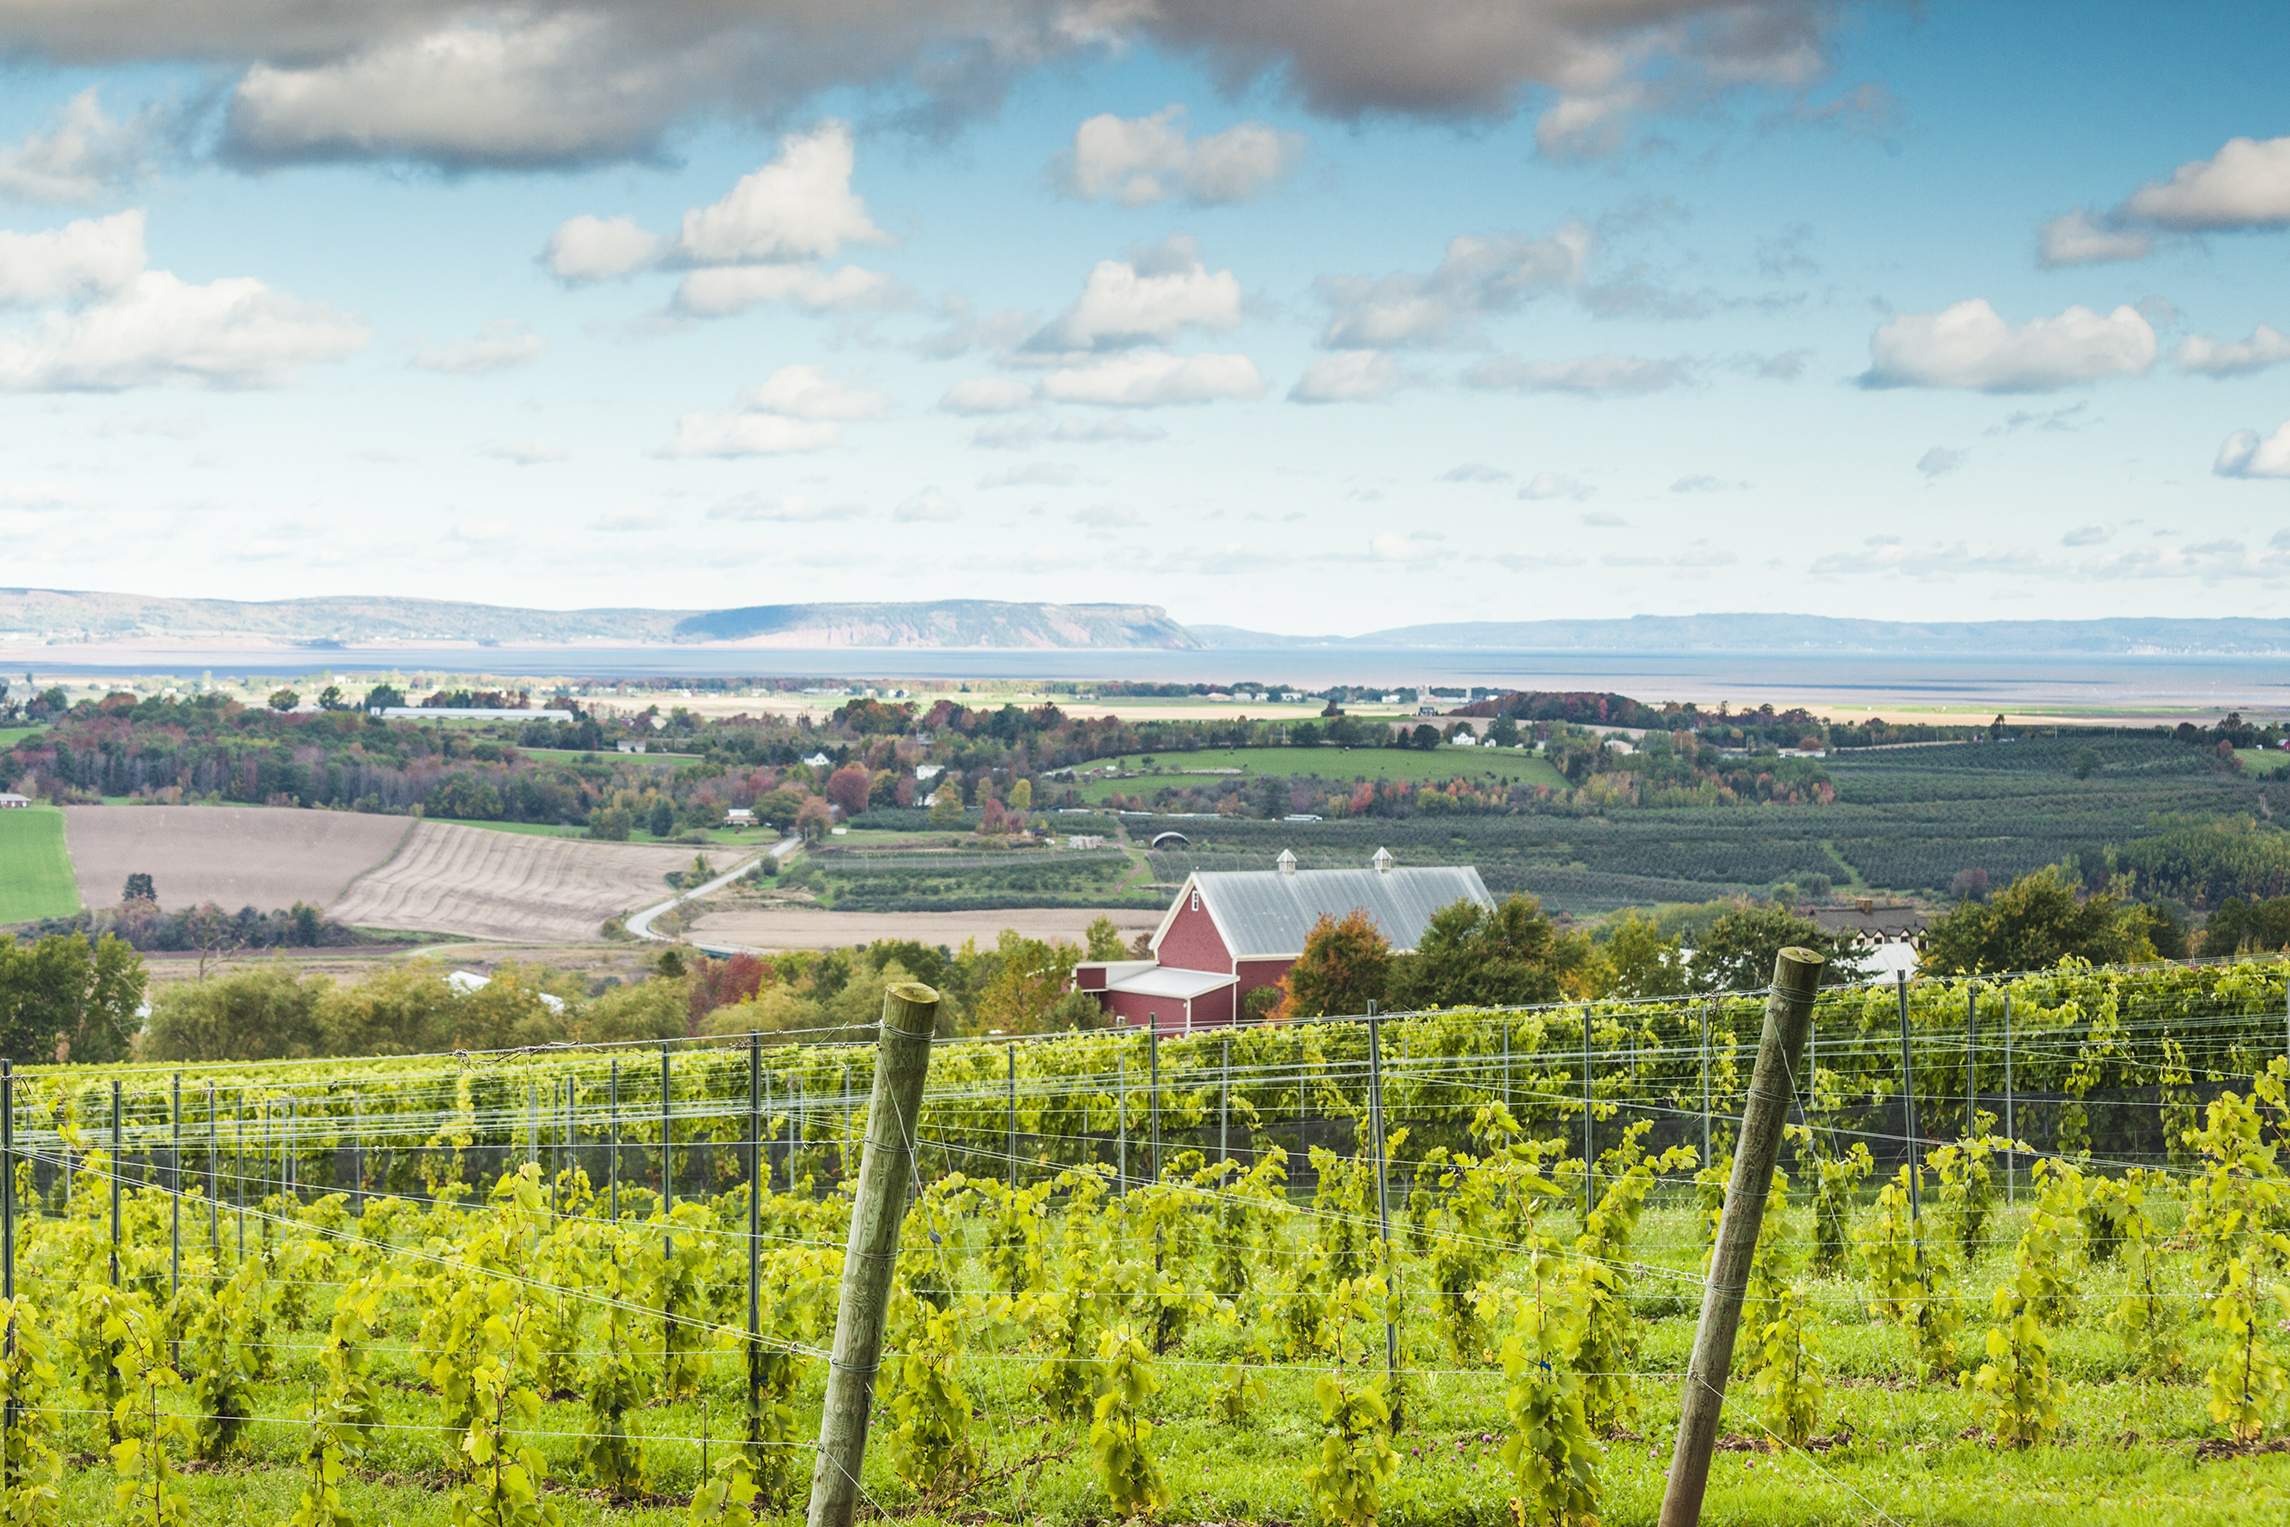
66 615
2128 636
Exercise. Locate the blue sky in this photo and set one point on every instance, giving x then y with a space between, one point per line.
1299 317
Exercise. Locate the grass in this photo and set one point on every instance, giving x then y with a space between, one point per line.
729 837
11 735
35 868
2124 1458
1328 763
2263 761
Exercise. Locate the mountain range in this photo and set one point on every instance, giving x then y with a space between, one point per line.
347 621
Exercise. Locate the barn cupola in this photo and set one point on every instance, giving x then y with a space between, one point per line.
1287 862
1382 861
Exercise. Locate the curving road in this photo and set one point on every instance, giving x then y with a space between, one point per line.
640 923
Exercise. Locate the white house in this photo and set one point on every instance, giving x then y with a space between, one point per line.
10 801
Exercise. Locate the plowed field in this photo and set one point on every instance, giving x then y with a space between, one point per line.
499 885
235 856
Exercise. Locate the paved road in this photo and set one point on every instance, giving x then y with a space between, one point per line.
640 923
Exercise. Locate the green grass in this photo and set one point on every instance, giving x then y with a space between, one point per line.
11 735
35 870
1328 763
2263 761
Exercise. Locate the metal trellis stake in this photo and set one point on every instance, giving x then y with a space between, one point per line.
1383 1205
1589 1123
1707 1158
2011 1131
115 1170
1153 1102
757 1163
1908 1124
613 1170
910 1014
1121 1123
1772 1085
174 1188
1012 1048
214 1190
667 1154
1224 1100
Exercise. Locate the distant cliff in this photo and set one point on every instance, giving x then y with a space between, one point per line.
65 615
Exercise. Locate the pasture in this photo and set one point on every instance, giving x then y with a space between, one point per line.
35 868
235 856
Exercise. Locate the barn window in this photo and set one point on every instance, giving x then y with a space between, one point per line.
1196 898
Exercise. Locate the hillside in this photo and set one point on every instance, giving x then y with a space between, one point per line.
349 620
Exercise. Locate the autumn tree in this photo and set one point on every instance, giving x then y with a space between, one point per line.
849 788
1345 965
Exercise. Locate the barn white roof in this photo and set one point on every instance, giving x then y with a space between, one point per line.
1267 914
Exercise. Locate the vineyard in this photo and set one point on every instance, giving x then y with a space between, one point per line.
2028 1259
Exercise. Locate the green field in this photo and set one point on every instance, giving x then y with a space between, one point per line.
2263 761
11 735
35 871
1326 763
730 837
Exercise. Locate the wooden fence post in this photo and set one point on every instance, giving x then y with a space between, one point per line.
1788 1018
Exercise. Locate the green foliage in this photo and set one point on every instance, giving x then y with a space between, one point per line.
1355 1461
1119 1434
1968 1193
1549 1449
1835 1180
1789 1371
1474 956
62 997
2033 924
1738 951
2015 1391
2150 1322
930 1410
32 1394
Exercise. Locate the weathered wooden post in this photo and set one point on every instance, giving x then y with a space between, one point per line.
1788 1019
886 1162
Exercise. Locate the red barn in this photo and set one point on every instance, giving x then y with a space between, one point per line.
1230 932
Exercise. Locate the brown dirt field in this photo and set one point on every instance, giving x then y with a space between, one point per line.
236 856
501 885
785 927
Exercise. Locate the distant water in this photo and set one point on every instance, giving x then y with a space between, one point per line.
1842 680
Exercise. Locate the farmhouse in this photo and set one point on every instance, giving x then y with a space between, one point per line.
1230 932
9 800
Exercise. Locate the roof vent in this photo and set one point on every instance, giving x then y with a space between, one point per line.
1382 861
1287 862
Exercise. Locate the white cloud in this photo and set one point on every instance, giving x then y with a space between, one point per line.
88 257
1391 547
588 248
798 207
527 453
1591 376
1590 124
762 242
722 290
234 332
1551 485
1970 345
1108 517
1940 459
928 505
794 509
1037 474
750 434
1149 298
629 521
504 343
1474 471
1140 160
1479 276
1605 519
796 408
1703 482
2074 239
2206 356
1154 379
1023 434
1350 376
2246 184
2088 535
808 392
2248 454
986 395
84 157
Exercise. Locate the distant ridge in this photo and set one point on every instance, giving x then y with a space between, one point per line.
68 615
2125 636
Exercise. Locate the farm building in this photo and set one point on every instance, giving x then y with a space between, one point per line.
10 800
1230 932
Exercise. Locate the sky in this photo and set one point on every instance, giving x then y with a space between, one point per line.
1295 315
